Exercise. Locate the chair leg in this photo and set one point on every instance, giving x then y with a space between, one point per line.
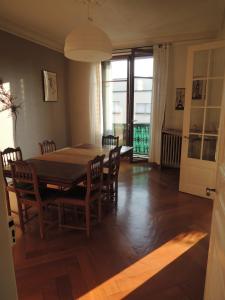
8 203
41 222
116 192
26 211
87 219
59 213
108 192
112 192
99 209
20 213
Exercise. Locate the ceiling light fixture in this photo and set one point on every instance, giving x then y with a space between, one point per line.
87 42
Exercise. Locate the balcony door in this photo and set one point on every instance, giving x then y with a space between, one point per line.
127 92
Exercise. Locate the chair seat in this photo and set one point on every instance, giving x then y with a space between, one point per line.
46 195
25 186
76 195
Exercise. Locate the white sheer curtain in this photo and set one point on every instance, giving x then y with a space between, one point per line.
160 82
95 104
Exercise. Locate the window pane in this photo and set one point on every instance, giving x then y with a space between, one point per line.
201 59
119 86
194 146
215 91
116 107
209 148
142 84
140 108
212 120
196 121
118 69
143 67
217 62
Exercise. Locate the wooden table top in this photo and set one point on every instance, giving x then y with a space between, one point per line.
67 166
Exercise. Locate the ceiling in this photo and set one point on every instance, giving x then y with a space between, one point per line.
128 23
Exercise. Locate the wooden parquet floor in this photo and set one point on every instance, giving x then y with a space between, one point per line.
154 247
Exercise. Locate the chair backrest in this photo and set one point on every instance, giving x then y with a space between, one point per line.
110 140
114 162
95 175
47 146
25 181
8 155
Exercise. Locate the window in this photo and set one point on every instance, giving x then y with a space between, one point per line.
116 107
142 108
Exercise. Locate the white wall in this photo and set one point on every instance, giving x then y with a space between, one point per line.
177 73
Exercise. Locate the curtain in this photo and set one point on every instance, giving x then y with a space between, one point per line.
95 104
160 82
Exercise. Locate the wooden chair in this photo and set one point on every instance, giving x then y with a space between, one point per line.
9 154
110 140
110 177
47 146
85 196
28 192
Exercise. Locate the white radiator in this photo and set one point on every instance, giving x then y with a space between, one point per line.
171 148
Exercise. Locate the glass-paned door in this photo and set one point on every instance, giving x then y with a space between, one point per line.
127 91
206 96
142 104
204 92
115 87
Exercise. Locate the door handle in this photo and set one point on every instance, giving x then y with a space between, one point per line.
209 190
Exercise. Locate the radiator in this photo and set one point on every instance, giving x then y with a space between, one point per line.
171 148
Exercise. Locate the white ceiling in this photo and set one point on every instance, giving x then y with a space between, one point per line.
127 22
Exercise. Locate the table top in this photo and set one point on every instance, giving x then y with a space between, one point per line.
67 166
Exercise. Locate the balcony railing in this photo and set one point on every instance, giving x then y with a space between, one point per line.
141 137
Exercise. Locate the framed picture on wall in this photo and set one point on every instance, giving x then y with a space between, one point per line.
50 86
180 94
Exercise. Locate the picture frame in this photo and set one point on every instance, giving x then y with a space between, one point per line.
50 86
180 96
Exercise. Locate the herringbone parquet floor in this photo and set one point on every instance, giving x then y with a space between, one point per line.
153 247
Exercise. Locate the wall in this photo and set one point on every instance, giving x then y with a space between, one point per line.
21 64
79 82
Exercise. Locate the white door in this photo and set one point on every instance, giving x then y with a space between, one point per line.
201 126
215 278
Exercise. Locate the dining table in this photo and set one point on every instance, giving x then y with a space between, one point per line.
67 167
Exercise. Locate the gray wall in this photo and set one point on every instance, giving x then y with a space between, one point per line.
21 64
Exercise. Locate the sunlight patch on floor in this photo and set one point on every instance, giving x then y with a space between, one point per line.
137 274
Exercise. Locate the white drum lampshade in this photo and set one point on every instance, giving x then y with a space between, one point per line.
88 43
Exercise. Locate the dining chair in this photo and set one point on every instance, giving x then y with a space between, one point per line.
110 176
85 196
110 140
7 155
47 146
29 192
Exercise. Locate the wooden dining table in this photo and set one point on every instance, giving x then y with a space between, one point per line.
67 167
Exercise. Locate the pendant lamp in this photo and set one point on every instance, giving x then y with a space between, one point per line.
88 43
